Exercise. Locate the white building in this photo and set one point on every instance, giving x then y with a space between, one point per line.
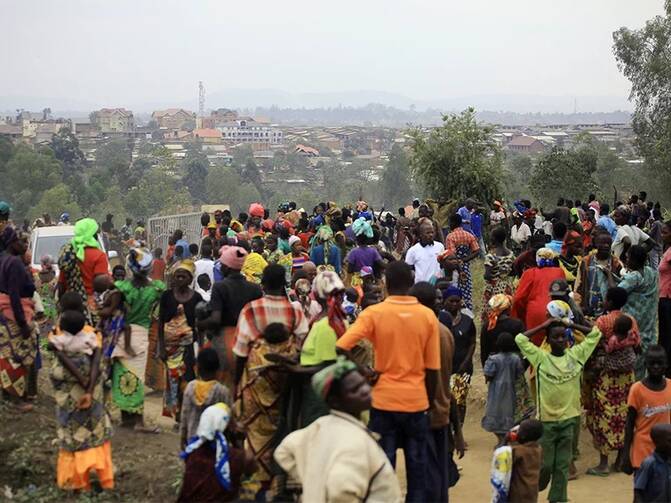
249 131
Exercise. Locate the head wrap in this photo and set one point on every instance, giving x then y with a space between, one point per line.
4 208
256 210
452 291
559 309
546 257
211 427
324 379
139 260
559 287
236 226
64 217
293 240
267 225
324 286
497 305
212 225
324 233
233 257
361 226
366 271
361 206
571 237
85 231
187 265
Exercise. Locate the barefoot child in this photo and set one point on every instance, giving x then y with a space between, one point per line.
651 482
200 393
83 425
501 372
649 404
558 396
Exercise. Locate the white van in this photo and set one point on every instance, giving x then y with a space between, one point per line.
50 240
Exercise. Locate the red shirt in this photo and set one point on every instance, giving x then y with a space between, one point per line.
95 263
158 269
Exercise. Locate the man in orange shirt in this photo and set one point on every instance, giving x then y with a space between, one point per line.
406 339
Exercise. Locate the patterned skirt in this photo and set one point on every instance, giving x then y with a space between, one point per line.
17 354
525 407
460 384
607 413
465 279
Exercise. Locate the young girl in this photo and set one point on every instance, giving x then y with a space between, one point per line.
501 372
83 425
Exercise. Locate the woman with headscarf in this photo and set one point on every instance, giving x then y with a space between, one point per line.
176 335
533 292
80 261
499 262
592 281
325 254
213 465
298 255
140 295
464 246
571 256
363 255
498 320
18 337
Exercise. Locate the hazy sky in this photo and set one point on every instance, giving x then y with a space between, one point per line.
127 52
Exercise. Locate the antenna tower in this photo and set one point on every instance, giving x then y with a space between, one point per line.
201 99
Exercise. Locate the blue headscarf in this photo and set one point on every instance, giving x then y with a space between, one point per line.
213 423
362 226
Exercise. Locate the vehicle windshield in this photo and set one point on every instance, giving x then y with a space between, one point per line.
49 245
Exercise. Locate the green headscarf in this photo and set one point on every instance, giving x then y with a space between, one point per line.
322 380
4 208
85 231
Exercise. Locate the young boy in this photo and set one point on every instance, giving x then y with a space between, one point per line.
649 404
158 266
651 482
558 377
201 393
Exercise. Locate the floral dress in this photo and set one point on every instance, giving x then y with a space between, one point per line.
501 281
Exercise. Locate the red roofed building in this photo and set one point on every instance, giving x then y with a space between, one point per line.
307 151
207 135
173 118
526 144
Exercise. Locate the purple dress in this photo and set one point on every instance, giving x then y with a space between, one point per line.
363 256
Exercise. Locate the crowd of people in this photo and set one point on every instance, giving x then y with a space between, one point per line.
298 350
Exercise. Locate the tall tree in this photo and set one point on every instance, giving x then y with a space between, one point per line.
458 159
56 200
195 175
644 57
158 192
396 182
65 146
114 156
564 173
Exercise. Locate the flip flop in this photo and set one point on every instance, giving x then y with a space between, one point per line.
147 429
597 473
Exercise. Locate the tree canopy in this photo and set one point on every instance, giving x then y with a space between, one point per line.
458 159
396 182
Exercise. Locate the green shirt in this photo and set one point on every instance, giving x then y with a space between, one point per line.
140 301
558 377
320 344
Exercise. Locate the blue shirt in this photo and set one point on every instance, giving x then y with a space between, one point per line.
317 256
185 248
609 224
555 245
476 224
653 479
465 218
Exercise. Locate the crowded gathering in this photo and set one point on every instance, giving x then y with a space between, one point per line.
297 352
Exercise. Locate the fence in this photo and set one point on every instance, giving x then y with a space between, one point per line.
160 229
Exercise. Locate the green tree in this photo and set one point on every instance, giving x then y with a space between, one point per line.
644 57
27 175
241 155
564 173
114 157
65 146
517 170
396 182
251 173
56 200
195 168
225 186
158 192
458 159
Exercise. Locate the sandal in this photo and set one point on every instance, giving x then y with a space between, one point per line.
597 473
147 429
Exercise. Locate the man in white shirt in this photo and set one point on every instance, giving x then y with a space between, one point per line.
519 232
628 235
204 265
423 256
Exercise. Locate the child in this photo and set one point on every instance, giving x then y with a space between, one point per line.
516 467
214 466
112 322
558 378
118 273
624 337
83 425
649 404
201 393
501 371
204 286
651 482
158 266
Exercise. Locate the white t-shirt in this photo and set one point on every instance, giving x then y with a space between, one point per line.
204 266
636 237
520 234
496 217
425 261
